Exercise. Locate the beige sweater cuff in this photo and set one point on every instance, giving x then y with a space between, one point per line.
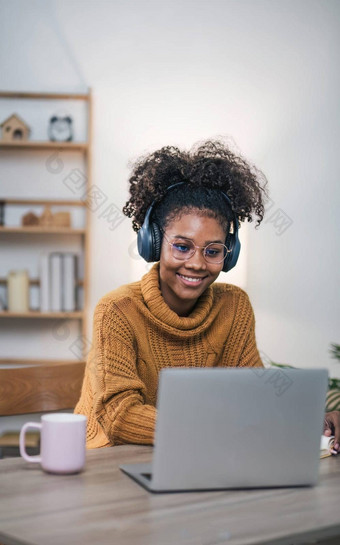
137 425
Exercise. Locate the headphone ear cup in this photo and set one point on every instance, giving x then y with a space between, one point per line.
149 239
144 240
232 243
229 245
156 242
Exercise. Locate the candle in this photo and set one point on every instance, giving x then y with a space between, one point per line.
18 291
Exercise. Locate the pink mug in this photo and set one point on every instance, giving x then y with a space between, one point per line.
63 439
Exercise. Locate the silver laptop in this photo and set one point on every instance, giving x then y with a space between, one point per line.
222 428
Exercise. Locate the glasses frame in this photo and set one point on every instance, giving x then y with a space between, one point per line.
196 247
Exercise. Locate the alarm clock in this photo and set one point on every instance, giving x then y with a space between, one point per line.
60 128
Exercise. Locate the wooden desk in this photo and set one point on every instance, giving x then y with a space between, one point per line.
104 506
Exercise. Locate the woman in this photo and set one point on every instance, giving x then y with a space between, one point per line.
186 208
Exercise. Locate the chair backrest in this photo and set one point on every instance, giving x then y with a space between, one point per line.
39 387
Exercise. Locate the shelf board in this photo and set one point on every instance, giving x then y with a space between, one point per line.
42 202
36 281
36 362
47 96
44 144
78 314
42 230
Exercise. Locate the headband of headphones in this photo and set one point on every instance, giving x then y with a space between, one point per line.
149 238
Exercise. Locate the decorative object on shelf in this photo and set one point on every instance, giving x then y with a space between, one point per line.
60 128
46 218
30 219
14 128
18 291
62 219
2 213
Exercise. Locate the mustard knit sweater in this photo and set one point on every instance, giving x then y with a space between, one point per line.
135 335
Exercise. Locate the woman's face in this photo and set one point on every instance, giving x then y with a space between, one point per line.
182 282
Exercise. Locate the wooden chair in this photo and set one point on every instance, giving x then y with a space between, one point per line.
30 387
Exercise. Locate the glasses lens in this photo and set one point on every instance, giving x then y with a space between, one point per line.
182 249
215 252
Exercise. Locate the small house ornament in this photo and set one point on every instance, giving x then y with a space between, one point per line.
14 128
30 219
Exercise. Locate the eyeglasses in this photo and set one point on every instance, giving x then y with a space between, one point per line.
183 249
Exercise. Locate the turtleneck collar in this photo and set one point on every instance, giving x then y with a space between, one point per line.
200 317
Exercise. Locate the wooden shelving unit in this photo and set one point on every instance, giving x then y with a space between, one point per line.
35 145
32 146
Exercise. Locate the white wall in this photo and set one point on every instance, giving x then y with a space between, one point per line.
264 72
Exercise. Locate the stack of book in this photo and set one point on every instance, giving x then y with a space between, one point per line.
58 282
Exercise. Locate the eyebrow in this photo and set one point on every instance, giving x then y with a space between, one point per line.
206 242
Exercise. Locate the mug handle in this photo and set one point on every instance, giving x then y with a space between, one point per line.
23 452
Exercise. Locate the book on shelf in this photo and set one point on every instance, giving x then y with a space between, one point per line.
44 283
58 282
69 281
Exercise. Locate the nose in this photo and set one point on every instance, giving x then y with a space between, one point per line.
196 261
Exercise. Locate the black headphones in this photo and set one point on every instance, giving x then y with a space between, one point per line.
149 238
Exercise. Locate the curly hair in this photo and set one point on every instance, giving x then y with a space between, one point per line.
207 169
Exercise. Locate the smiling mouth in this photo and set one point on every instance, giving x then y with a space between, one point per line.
193 280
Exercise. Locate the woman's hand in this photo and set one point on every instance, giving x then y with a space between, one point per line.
332 427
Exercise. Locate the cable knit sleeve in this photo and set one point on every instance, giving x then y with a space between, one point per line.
118 409
241 349
250 356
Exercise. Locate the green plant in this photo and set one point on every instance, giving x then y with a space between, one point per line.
333 396
335 351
